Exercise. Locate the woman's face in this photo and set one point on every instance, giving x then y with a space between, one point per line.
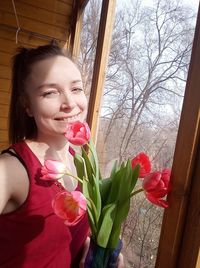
55 93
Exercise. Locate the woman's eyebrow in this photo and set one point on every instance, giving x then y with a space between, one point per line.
77 81
47 85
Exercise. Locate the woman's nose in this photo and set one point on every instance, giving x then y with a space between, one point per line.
68 101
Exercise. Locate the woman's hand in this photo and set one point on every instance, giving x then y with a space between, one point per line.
85 251
120 261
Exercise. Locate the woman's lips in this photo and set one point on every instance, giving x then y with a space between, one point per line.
68 119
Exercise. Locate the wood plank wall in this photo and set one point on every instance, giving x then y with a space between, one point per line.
40 21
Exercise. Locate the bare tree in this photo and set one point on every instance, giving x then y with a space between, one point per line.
150 70
89 35
143 94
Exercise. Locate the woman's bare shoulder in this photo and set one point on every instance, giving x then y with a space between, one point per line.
13 179
10 164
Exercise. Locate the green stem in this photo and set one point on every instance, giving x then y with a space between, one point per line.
91 147
136 192
75 177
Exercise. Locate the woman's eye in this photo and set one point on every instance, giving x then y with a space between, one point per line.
50 93
77 89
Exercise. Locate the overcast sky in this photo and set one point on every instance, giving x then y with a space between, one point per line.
193 3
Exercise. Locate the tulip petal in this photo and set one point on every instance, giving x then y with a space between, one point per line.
166 173
52 170
156 186
71 151
151 181
145 165
78 133
69 206
157 201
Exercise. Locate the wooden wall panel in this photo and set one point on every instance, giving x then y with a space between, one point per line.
5 98
59 7
8 44
40 21
5 72
5 58
4 85
28 11
3 123
4 111
32 25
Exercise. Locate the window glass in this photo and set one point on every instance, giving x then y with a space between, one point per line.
142 100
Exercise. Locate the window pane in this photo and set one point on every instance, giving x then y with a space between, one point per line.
142 102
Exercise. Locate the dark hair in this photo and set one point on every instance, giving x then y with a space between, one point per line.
21 125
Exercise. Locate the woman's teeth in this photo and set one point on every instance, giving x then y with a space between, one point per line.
68 119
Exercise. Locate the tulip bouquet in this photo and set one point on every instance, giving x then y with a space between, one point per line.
107 199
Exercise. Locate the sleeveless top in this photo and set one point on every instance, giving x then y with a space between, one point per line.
32 235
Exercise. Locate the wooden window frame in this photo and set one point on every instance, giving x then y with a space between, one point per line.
76 24
180 233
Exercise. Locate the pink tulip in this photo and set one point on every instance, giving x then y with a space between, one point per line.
69 206
156 186
145 165
78 133
52 170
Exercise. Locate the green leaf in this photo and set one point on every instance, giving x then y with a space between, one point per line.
80 166
91 191
92 213
95 196
104 187
108 216
122 212
117 186
114 237
120 194
92 223
114 169
93 210
135 175
129 179
85 189
92 194
123 164
94 159
89 167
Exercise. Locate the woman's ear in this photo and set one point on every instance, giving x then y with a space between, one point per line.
25 103
28 111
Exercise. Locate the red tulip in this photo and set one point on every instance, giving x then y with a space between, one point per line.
52 170
78 133
145 165
69 206
156 186
71 151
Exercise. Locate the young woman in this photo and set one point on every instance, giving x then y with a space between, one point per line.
47 93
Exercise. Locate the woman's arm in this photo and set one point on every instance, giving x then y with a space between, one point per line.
14 183
5 187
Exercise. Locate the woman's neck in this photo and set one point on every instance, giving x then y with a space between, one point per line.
50 148
55 149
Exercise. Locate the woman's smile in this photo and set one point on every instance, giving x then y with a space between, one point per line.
68 119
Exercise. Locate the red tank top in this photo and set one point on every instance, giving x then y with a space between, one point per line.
33 236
